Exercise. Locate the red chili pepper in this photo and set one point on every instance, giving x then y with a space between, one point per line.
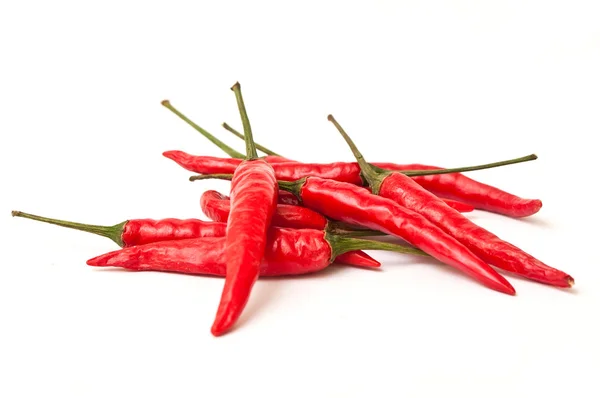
487 246
458 206
253 202
464 189
456 186
355 205
216 207
345 172
141 231
287 252
474 193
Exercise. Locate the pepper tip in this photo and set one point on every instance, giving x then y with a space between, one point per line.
235 86
165 102
570 281
330 117
15 213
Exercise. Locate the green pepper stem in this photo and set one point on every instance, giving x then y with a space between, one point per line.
345 229
414 173
373 175
211 177
341 244
250 146
258 146
224 147
113 232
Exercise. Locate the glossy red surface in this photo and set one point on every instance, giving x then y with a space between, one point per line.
288 252
253 202
454 186
144 231
216 206
487 246
351 204
464 189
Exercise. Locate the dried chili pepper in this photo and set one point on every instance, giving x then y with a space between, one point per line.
141 231
253 202
287 252
487 246
355 205
459 187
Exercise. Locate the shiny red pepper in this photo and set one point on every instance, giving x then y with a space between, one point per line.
453 186
144 231
466 190
487 246
216 207
141 231
287 252
457 186
253 202
355 205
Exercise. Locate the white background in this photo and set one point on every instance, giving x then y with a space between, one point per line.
446 83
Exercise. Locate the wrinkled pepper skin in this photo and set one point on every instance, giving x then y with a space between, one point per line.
487 246
464 189
351 204
253 202
454 186
287 198
287 252
217 206
144 231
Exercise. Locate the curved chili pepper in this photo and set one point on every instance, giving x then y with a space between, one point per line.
144 231
487 246
464 189
456 186
350 172
340 171
253 202
287 252
355 205
216 207
141 231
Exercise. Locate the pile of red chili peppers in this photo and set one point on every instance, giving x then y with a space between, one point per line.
285 217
